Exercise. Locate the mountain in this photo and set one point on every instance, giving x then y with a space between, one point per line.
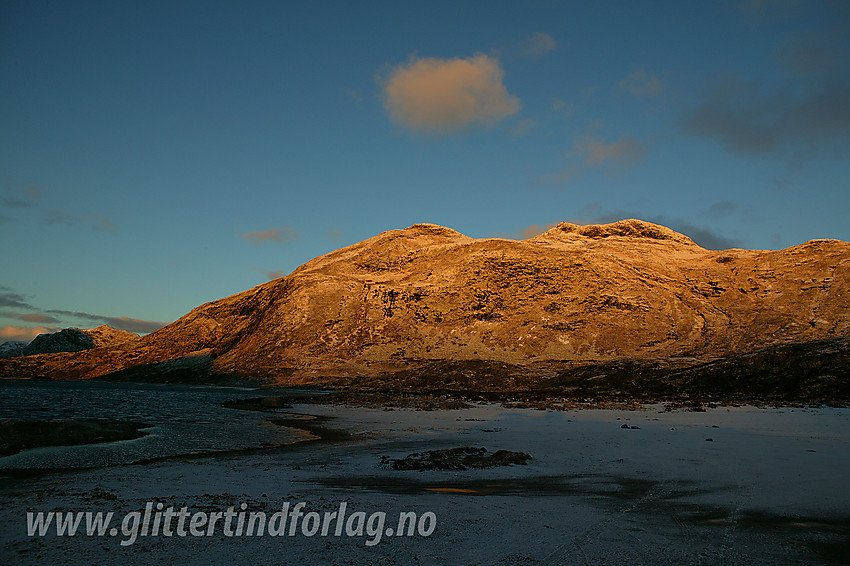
75 340
69 340
12 348
573 296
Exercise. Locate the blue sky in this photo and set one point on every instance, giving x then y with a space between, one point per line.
158 155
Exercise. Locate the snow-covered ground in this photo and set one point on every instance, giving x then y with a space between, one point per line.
770 486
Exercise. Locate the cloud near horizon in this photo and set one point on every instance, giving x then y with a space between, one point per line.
279 235
32 317
439 96
24 333
119 322
10 298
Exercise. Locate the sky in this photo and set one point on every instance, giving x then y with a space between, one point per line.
158 155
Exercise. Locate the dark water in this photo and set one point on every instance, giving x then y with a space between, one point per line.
183 420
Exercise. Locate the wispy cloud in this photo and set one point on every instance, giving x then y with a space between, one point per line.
524 126
537 45
30 197
591 151
625 151
559 177
642 83
721 209
25 197
563 108
272 275
439 96
119 322
9 298
279 235
30 317
94 221
24 333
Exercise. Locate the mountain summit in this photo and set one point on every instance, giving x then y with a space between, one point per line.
574 294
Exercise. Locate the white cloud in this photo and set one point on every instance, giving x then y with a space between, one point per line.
434 95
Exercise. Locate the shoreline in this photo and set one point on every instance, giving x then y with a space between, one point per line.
789 372
312 425
593 491
282 412
443 398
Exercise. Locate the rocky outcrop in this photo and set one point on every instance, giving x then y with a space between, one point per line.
407 299
462 458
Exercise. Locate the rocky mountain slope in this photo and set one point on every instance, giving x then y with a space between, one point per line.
574 295
75 340
12 348
69 340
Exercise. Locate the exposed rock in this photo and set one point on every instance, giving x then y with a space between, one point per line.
462 458
431 308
